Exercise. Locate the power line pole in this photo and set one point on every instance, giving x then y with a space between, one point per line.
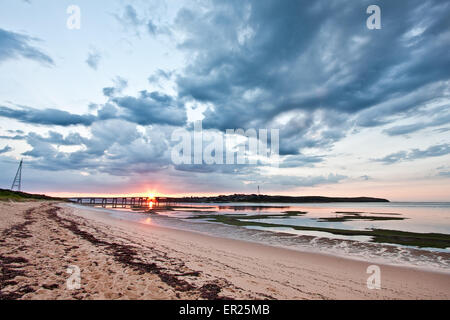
17 183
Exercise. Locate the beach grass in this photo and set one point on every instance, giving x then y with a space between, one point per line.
8 195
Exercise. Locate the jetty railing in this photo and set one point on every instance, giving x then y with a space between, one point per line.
124 202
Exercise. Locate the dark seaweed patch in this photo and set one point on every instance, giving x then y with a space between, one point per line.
128 256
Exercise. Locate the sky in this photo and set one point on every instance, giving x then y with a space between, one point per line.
360 112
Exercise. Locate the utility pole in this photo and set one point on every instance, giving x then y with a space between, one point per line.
17 183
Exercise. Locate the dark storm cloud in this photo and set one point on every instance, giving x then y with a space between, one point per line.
146 109
106 112
72 139
129 152
310 130
117 152
46 116
414 154
152 108
15 45
254 60
310 68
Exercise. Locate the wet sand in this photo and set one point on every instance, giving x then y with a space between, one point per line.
127 260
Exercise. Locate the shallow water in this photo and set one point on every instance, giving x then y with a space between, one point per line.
416 217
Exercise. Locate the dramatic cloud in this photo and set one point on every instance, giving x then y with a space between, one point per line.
405 129
146 109
15 45
152 108
121 152
309 68
438 119
72 139
262 59
414 154
46 116
53 137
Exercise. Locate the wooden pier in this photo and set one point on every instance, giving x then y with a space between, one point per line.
125 202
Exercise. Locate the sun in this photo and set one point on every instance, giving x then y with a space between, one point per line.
151 195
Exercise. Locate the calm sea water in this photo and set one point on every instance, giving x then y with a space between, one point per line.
417 217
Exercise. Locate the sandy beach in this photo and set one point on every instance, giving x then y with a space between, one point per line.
127 260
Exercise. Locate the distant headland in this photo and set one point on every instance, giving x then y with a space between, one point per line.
277 199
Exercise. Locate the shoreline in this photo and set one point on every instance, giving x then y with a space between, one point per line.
128 260
236 242
379 261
